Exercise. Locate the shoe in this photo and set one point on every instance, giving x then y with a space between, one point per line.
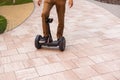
44 40
49 40
58 39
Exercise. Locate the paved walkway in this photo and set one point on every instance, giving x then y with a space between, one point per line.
114 9
92 52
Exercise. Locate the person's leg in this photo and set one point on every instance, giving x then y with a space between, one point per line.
60 6
48 4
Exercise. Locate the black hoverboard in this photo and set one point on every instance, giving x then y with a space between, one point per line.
61 43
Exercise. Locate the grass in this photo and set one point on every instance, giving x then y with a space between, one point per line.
3 24
10 2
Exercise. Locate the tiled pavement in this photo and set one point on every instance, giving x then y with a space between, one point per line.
92 52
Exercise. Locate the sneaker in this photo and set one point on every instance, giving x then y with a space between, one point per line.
44 40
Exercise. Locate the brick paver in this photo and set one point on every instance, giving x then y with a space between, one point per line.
92 51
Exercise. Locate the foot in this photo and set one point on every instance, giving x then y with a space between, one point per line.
58 39
44 40
49 40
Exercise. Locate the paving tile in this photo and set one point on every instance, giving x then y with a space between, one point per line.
67 56
3 46
83 62
35 62
9 52
57 67
8 76
50 69
95 78
10 45
97 58
28 63
66 75
103 77
85 72
95 50
16 40
52 58
35 78
48 77
104 57
111 48
18 57
2 69
27 44
114 65
5 60
26 49
40 61
78 50
107 66
110 56
26 74
102 68
32 55
13 66
116 74
44 70
8 37
108 77
68 65
47 51
96 43
107 42
1 38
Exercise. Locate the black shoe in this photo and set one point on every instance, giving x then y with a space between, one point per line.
49 40
58 39
44 40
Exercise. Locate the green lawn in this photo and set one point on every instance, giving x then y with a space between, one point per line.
10 2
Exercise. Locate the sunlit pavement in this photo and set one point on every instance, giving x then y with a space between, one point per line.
92 50
114 9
